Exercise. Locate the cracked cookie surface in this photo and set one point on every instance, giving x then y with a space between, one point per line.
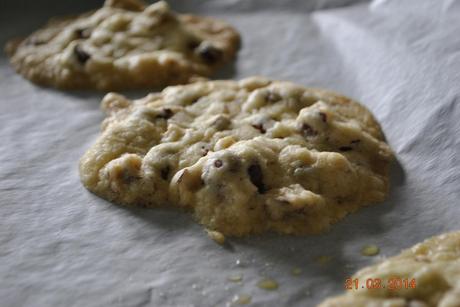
245 156
434 265
124 45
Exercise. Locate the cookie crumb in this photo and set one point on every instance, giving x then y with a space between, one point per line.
217 236
235 278
370 250
268 284
296 271
242 299
324 259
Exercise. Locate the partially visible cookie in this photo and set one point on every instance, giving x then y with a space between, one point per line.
124 45
245 156
428 274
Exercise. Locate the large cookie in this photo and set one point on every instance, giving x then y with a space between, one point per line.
427 274
124 45
244 156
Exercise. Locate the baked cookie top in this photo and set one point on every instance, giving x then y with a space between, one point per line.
124 45
244 156
433 265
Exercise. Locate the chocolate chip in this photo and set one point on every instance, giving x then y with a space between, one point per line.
308 131
259 127
355 142
204 150
209 53
273 97
82 55
256 177
165 172
165 113
218 163
345 148
195 99
83 33
193 44
323 116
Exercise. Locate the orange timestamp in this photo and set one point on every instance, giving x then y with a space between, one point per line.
393 283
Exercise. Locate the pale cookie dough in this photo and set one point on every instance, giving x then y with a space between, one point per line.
124 45
244 156
434 265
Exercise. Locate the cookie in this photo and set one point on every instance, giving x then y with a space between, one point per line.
124 45
245 157
428 274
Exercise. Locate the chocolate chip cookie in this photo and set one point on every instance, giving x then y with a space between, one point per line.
124 45
428 274
244 156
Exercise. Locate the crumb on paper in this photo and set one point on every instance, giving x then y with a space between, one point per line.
324 259
370 250
242 299
296 271
235 278
268 284
217 236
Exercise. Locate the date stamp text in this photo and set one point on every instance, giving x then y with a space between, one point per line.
377 283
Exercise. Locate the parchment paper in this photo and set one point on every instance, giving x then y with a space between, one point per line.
62 246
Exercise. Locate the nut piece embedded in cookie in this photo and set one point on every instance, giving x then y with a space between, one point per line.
239 156
124 45
427 274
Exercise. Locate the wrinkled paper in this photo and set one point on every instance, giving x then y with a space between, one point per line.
62 246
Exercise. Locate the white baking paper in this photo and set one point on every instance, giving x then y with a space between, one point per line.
62 246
